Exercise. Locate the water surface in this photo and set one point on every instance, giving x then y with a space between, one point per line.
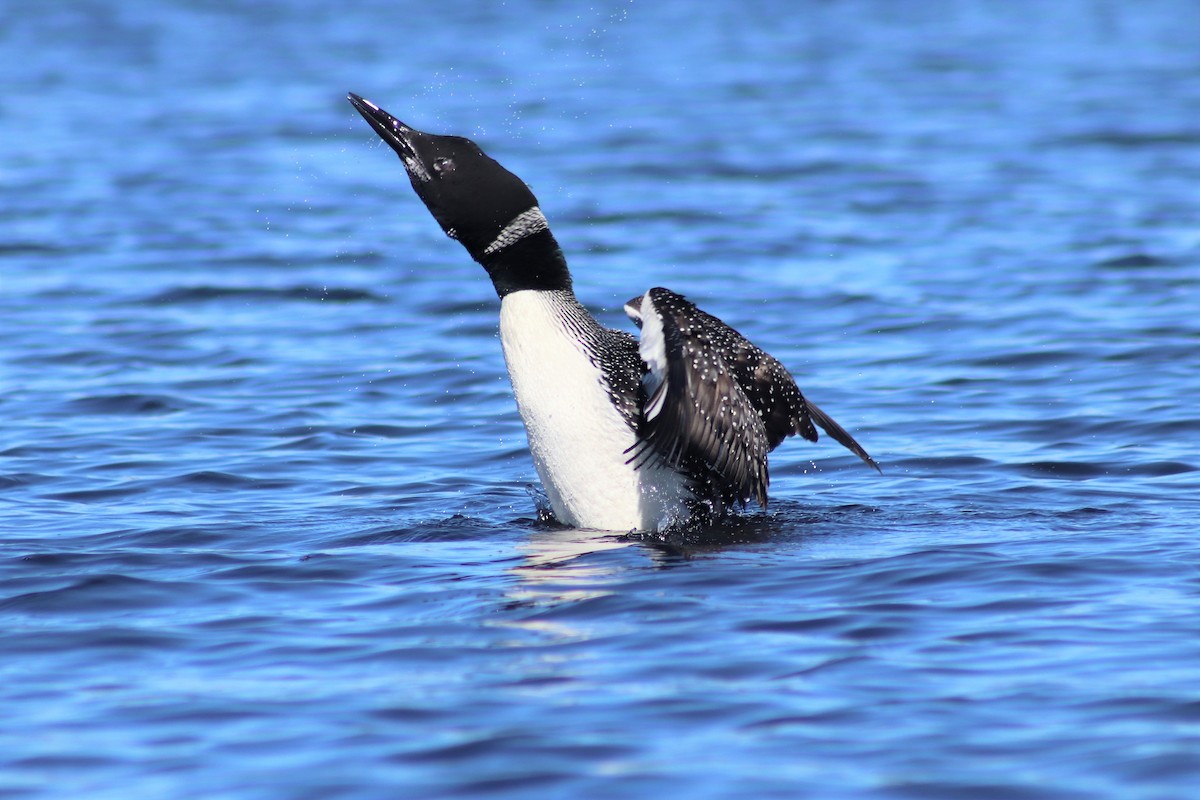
265 501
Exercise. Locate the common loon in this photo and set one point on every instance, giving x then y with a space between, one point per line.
626 433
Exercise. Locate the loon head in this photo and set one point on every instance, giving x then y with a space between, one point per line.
488 209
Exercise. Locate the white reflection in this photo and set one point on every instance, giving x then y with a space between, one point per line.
555 569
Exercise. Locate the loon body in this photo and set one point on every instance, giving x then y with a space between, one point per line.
626 433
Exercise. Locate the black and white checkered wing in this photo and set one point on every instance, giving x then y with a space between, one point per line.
696 416
715 404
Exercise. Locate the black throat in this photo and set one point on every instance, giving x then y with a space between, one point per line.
532 262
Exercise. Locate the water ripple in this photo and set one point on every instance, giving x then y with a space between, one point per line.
263 490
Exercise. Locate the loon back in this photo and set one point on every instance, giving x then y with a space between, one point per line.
624 433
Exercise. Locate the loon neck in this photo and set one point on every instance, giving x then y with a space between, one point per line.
532 262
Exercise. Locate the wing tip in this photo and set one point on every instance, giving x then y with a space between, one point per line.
840 435
633 309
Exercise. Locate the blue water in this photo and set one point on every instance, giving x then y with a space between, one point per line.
265 507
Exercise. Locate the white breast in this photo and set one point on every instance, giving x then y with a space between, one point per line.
576 435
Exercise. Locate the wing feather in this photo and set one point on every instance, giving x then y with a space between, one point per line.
716 403
696 416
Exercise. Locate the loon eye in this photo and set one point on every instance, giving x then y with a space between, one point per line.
443 164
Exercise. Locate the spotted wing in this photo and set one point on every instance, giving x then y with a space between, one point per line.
702 378
773 392
696 415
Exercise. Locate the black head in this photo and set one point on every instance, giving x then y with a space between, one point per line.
476 201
